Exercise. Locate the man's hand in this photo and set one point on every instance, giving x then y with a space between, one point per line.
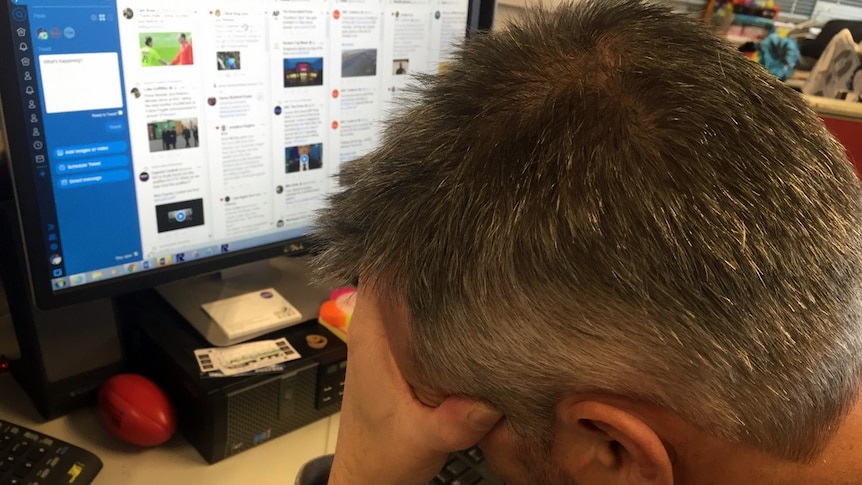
386 435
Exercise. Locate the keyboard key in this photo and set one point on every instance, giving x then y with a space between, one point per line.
456 468
444 476
469 478
37 453
20 448
476 455
6 465
23 469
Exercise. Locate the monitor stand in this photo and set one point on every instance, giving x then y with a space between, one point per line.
241 318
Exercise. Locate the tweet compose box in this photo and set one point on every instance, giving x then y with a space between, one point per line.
81 82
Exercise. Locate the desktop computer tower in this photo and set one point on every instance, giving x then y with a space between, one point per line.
65 354
223 416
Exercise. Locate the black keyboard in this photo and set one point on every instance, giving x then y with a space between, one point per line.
31 458
466 468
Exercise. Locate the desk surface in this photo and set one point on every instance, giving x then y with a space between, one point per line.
275 462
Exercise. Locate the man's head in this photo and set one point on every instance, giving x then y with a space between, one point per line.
148 42
606 200
181 38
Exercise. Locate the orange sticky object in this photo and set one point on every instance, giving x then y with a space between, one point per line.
336 312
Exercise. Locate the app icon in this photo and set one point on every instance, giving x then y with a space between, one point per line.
96 276
60 284
145 265
42 34
225 248
164 261
78 279
131 267
180 215
58 272
56 259
180 258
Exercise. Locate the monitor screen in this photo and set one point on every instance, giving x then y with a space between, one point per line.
156 139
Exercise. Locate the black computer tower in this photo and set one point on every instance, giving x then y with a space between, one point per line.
224 416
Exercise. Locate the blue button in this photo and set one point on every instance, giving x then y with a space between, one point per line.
91 150
115 126
96 178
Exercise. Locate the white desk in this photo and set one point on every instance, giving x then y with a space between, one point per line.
174 462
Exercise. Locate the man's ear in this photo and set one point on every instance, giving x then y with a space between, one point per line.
601 443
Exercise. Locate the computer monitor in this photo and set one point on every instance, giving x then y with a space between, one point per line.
154 140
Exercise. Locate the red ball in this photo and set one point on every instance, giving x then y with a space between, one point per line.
136 410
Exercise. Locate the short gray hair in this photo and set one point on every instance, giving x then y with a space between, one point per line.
606 197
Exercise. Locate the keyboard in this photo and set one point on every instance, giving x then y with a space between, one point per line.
466 468
31 458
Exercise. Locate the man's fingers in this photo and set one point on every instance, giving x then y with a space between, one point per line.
459 423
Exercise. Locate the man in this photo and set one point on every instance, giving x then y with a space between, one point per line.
301 159
149 56
185 56
610 228
166 138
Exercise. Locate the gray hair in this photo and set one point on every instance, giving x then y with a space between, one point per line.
606 197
